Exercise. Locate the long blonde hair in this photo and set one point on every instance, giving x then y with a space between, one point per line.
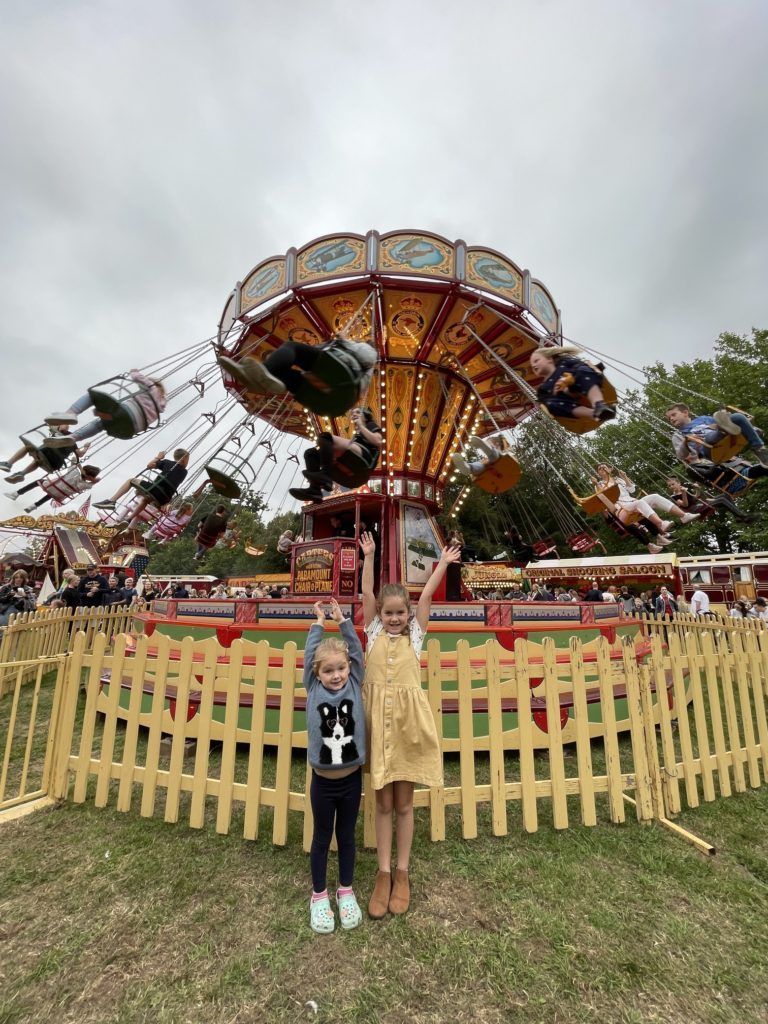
327 648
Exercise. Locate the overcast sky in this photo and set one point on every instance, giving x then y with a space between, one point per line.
153 152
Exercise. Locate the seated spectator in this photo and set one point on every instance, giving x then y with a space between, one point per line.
759 610
740 610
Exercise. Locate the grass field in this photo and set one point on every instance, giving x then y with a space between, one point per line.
107 917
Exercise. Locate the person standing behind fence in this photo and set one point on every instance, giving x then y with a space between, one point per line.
402 737
16 596
333 677
92 588
700 603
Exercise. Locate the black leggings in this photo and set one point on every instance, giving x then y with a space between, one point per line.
280 363
331 799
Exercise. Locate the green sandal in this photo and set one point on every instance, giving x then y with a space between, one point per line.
321 916
349 910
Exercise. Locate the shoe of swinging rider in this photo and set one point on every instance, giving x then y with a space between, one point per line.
461 464
762 456
318 479
253 375
723 419
60 419
306 493
654 549
688 517
603 412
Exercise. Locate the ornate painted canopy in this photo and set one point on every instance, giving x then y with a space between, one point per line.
455 319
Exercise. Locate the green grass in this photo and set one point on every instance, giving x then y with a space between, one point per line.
108 917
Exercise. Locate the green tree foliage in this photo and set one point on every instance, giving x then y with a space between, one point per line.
247 515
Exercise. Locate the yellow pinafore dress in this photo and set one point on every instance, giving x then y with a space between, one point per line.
402 738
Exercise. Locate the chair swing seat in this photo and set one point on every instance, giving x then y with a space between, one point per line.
501 475
728 447
596 504
582 541
584 424
156 488
223 483
119 423
350 470
333 385
50 460
547 546
731 480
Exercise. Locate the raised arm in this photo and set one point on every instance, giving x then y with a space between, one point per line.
447 557
368 548
316 631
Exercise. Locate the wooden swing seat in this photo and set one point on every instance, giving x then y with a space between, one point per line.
333 385
350 470
596 504
728 447
501 475
224 484
581 541
731 480
584 424
547 546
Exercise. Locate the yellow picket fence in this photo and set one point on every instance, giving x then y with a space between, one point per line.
48 632
695 707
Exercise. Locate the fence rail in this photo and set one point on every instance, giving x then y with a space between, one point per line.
110 722
48 632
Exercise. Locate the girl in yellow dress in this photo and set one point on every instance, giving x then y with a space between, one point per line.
402 738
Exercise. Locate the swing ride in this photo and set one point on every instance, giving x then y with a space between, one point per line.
454 327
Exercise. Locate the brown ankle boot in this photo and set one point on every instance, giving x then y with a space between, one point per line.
377 907
400 898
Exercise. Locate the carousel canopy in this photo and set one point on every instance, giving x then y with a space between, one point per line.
430 306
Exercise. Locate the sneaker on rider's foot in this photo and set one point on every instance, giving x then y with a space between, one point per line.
61 419
688 517
664 539
723 419
762 456
5 466
306 493
654 549
15 478
602 411
13 495
253 375
106 503
319 479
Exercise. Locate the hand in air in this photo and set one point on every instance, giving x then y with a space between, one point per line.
336 613
451 554
367 544
319 612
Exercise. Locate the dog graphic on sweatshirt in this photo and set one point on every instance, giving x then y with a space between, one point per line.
337 727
